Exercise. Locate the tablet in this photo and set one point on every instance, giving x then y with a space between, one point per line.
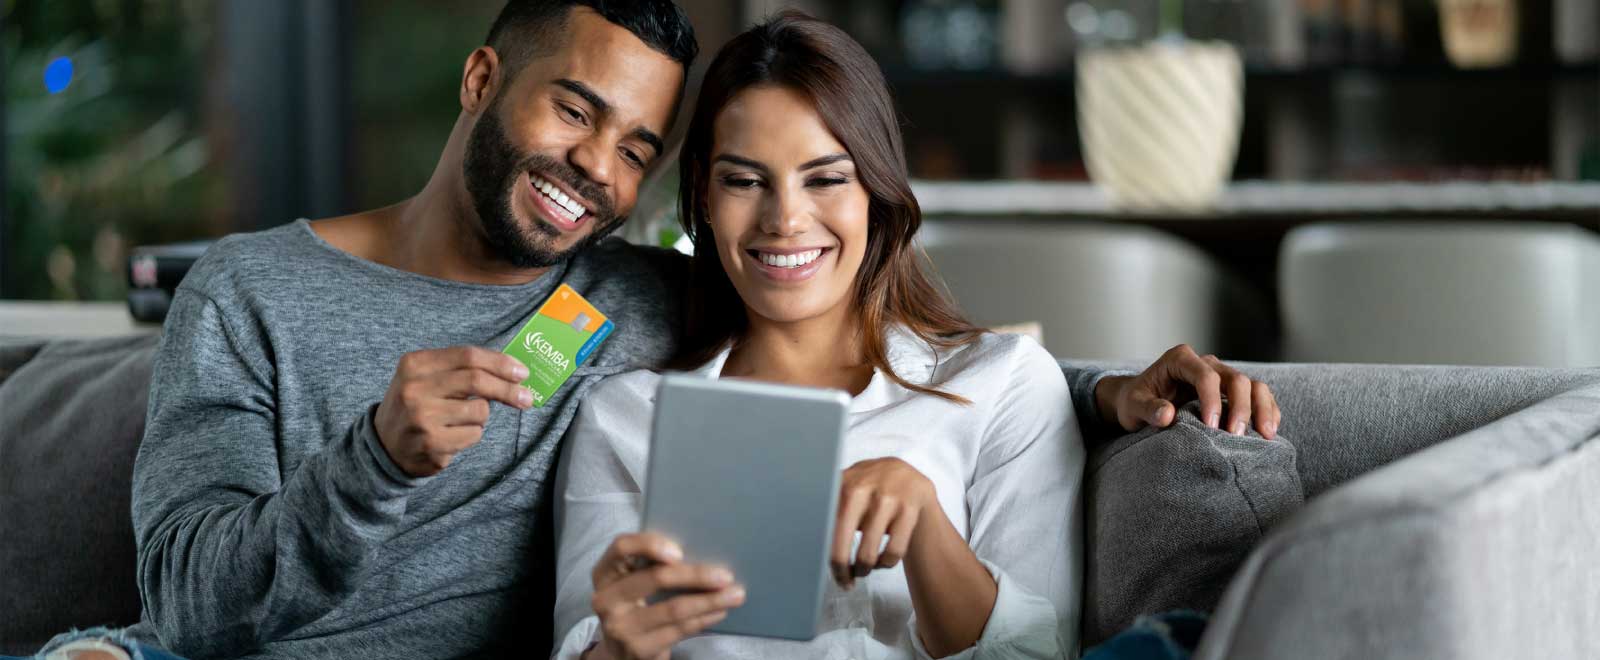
746 475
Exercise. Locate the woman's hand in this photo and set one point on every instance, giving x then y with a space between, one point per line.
1180 376
637 566
877 497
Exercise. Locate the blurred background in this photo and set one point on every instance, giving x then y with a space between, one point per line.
1330 180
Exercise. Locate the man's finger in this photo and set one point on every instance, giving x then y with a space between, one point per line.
471 382
1207 387
494 362
1266 410
1151 409
462 412
1240 399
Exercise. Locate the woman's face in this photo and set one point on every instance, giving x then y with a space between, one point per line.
787 212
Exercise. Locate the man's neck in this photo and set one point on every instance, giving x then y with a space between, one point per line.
435 233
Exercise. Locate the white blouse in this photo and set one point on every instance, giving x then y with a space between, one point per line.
1007 471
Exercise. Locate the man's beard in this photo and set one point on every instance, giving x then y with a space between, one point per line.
493 171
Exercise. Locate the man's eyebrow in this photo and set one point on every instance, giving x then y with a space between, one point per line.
741 161
649 137
594 99
602 106
824 160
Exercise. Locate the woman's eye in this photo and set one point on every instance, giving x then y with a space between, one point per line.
741 183
825 182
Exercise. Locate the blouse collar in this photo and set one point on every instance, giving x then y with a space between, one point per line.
913 359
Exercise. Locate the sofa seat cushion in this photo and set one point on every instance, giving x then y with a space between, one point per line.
1173 513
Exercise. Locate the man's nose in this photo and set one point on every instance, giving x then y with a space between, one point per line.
590 159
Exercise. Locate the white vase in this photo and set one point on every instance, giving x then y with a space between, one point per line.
1160 122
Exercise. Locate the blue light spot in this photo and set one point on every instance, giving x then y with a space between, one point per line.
58 74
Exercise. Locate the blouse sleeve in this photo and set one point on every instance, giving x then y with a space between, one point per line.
1026 515
598 482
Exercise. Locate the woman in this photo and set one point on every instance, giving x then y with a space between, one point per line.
962 448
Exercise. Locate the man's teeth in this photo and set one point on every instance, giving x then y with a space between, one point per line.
789 260
561 199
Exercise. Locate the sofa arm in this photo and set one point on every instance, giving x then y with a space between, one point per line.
1347 419
1478 547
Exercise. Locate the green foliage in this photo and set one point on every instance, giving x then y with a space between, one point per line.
117 158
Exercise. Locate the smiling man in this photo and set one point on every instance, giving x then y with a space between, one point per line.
339 462
315 381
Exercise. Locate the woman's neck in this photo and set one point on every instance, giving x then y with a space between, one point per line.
825 351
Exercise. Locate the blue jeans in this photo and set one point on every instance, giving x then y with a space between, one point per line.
135 650
1167 636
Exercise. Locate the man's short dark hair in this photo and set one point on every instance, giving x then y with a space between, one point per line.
526 29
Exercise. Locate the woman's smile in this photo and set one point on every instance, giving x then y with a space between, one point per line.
788 265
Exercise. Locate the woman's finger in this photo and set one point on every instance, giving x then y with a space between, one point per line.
1266 410
878 517
643 584
651 643
626 552
899 539
682 613
852 505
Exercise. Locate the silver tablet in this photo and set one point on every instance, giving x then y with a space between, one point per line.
746 475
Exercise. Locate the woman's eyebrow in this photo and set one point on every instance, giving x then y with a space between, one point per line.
824 160
740 161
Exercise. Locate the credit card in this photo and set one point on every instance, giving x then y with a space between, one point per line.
560 336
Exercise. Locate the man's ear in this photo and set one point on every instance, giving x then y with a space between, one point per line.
480 79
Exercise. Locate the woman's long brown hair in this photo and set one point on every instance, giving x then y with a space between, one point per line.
844 84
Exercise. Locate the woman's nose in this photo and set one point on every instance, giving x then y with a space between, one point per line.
789 216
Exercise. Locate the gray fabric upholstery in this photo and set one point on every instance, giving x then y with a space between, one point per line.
1347 419
1172 513
71 416
1483 546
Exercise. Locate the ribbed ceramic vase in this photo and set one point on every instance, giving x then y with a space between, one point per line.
1160 122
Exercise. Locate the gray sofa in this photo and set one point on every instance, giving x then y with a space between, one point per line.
1448 512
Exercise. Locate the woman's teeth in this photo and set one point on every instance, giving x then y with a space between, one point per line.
554 194
789 260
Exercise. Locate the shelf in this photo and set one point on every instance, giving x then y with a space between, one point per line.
899 76
1269 199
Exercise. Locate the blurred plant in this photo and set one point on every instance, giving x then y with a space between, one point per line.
113 160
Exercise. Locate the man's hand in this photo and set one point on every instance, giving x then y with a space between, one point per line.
438 402
1180 376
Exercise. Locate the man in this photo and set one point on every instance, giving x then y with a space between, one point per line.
339 462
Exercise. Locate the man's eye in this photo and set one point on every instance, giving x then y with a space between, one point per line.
573 114
633 158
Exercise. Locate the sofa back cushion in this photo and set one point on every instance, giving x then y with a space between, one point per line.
1172 513
71 418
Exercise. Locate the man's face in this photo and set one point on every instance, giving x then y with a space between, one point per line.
553 163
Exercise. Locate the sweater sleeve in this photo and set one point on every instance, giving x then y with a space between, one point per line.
233 553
